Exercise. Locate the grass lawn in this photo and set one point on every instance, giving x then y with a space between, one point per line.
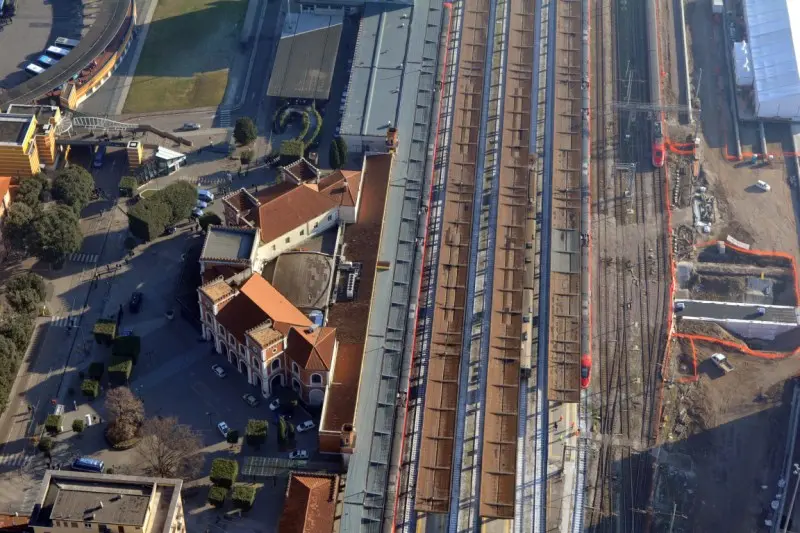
184 63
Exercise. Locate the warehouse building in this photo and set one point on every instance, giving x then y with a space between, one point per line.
767 59
306 55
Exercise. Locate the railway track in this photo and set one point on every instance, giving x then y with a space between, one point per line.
631 280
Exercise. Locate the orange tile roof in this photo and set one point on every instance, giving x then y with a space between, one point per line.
312 350
342 394
5 186
341 186
310 504
10 522
284 212
273 303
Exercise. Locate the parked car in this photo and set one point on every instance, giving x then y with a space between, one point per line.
191 126
197 212
250 400
305 426
224 429
136 302
201 204
170 230
298 454
219 371
274 404
586 370
205 195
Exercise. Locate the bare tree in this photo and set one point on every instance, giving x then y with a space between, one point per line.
126 412
170 449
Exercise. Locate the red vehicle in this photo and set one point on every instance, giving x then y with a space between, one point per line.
586 370
658 145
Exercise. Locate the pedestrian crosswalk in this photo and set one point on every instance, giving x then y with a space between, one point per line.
63 321
83 258
224 117
11 460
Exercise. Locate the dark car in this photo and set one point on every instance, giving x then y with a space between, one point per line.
136 302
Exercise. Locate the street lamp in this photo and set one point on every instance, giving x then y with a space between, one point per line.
209 413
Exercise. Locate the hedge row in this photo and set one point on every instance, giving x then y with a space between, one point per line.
152 215
256 433
119 371
105 330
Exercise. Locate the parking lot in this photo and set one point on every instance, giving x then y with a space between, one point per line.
36 24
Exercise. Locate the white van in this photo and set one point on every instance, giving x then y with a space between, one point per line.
763 185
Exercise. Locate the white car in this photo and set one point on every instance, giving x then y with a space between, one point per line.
224 429
250 400
763 185
298 454
219 371
305 426
274 404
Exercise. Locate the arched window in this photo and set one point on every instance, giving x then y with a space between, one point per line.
316 379
295 368
276 364
296 384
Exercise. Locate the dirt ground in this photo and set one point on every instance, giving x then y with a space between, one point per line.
723 431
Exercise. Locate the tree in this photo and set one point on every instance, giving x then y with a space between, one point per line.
17 226
56 234
30 190
341 146
28 280
333 155
25 292
170 449
245 131
45 444
180 197
209 219
126 413
127 186
18 329
73 187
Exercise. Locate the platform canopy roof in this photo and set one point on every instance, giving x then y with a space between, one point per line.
773 31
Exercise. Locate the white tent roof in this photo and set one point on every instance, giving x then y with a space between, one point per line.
773 29
168 155
743 64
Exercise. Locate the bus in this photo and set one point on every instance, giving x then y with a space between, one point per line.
33 69
87 464
47 61
55 51
68 43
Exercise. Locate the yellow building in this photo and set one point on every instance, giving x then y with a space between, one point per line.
19 156
78 501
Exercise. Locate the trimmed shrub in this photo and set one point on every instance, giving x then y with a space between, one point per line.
53 423
341 146
224 472
245 131
256 433
306 125
246 156
292 149
243 496
129 347
283 432
45 444
90 388
180 197
149 218
77 425
217 495
209 219
128 186
233 436
96 370
317 128
119 371
104 331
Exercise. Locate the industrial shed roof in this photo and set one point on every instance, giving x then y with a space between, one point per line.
306 56
774 39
